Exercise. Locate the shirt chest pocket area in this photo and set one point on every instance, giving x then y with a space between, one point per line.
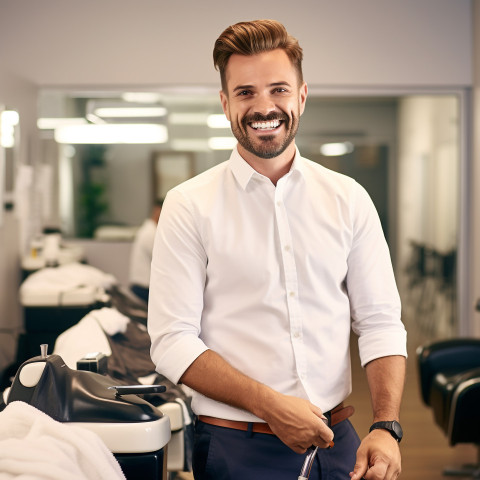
244 252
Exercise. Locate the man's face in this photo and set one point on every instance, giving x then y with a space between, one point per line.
263 102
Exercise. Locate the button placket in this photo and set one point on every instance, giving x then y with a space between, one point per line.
291 283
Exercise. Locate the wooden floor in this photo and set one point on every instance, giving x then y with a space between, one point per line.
425 449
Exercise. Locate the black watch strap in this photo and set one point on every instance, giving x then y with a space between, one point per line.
392 426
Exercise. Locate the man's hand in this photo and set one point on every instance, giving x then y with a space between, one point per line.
297 422
378 457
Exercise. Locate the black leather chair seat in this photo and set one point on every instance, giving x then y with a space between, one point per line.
464 422
451 392
449 373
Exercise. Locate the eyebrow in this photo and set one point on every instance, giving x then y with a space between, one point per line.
249 87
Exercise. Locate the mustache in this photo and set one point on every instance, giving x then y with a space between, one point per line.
258 117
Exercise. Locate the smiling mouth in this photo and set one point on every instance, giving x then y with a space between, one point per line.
270 125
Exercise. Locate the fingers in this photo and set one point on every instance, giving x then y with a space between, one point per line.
322 439
360 467
379 470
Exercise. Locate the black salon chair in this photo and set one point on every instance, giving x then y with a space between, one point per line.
449 373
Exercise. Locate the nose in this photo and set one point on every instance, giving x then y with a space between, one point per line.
264 105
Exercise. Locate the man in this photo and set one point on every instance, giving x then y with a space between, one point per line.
261 266
141 255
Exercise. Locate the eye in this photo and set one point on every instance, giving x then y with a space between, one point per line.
243 93
280 90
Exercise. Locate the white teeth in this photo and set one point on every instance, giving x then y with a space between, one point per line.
266 125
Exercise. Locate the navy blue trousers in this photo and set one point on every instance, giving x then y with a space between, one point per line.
225 454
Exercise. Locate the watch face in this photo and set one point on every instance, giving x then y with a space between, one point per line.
397 429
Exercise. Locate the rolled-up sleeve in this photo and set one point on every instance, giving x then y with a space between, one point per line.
374 300
176 289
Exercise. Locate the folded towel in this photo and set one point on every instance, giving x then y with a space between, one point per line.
87 336
33 446
67 277
111 320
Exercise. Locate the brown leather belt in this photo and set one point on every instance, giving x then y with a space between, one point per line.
334 416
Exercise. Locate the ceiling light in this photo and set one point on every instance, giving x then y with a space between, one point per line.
218 120
10 117
142 97
52 123
92 118
222 143
8 120
130 112
111 133
336 149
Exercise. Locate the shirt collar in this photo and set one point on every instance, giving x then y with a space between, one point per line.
243 172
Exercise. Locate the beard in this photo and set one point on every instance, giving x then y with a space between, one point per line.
266 146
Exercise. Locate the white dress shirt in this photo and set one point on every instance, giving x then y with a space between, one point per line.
272 278
141 254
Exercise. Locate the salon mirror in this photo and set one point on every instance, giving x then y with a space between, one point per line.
404 149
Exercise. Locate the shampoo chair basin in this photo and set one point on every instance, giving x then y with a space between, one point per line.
135 431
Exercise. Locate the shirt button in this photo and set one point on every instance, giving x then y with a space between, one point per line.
279 204
292 294
296 334
287 248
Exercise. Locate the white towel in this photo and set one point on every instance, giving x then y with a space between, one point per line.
84 337
89 335
33 446
68 276
111 320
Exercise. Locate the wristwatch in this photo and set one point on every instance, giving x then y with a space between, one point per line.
393 427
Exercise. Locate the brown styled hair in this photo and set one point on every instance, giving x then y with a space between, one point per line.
250 38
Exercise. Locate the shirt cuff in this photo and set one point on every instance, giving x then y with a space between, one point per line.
173 360
382 344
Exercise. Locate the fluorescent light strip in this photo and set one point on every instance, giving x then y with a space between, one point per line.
10 117
8 120
336 149
52 123
218 121
111 134
130 112
141 97
215 120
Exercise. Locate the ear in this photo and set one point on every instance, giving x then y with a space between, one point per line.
303 97
224 101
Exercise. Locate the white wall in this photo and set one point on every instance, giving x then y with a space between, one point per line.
149 42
